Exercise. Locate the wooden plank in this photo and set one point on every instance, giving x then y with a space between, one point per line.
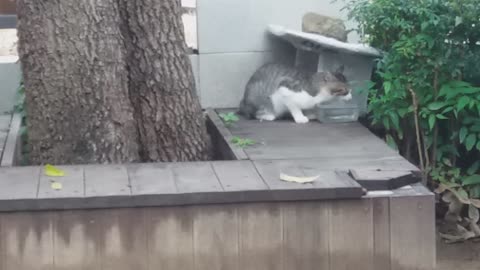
412 232
11 151
328 185
75 235
28 241
383 179
196 177
223 138
72 184
215 237
151 178
19 183
351 222
270 172
124 245
238 176
306 235
170 238
260 237
287 140
381 233
106 180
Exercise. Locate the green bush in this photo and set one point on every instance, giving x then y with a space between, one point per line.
426 93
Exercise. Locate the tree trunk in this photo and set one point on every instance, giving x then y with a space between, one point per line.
72 56
171 123
108 81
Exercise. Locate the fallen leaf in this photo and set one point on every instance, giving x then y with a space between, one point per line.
295 179
53 171
56 185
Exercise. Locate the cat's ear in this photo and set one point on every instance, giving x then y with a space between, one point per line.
340 69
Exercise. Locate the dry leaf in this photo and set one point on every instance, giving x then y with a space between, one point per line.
56 185
53 171
475 202
473 213
296 179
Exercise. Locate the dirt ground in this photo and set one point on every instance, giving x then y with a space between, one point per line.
460 256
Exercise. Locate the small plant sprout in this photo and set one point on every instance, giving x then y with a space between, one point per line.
242 142
229 118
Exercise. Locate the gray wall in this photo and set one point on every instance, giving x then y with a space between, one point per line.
233 43
10 77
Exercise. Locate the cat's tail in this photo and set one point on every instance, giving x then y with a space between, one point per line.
246 109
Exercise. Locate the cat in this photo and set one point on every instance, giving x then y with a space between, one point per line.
276 90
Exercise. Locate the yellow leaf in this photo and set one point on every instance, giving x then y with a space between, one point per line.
53 171
56 185
295 179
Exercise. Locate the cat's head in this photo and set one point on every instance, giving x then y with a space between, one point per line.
334 84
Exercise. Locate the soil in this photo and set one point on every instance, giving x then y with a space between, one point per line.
459 256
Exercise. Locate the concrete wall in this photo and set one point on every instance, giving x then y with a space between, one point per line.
233 42
10 76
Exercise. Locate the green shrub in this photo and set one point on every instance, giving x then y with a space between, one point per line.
426 93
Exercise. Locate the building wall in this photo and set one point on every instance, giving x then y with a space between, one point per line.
233 42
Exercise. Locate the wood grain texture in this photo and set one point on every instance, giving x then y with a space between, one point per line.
288 140
170 241
107 180
412 233
306 235
73 184
215 237
19 183
381 233
124 239
260 237
223 138
152 178
75 240
28 241
351 235
238 176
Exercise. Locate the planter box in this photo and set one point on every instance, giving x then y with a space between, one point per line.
234 214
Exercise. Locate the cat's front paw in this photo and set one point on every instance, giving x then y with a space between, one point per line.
301 119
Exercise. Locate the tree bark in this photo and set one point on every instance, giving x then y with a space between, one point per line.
73 62
171 123
108 81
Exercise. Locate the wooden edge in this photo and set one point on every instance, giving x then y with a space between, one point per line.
226 135
183 199
386 184
12 149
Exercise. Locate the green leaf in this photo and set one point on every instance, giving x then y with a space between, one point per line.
462 102
470 141
395 120
386 123
478 146
436 106
473 168
473 179
391 142
387 86
448 109
431 121
441 116
463 134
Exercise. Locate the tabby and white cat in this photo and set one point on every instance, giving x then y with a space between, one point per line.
275 90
